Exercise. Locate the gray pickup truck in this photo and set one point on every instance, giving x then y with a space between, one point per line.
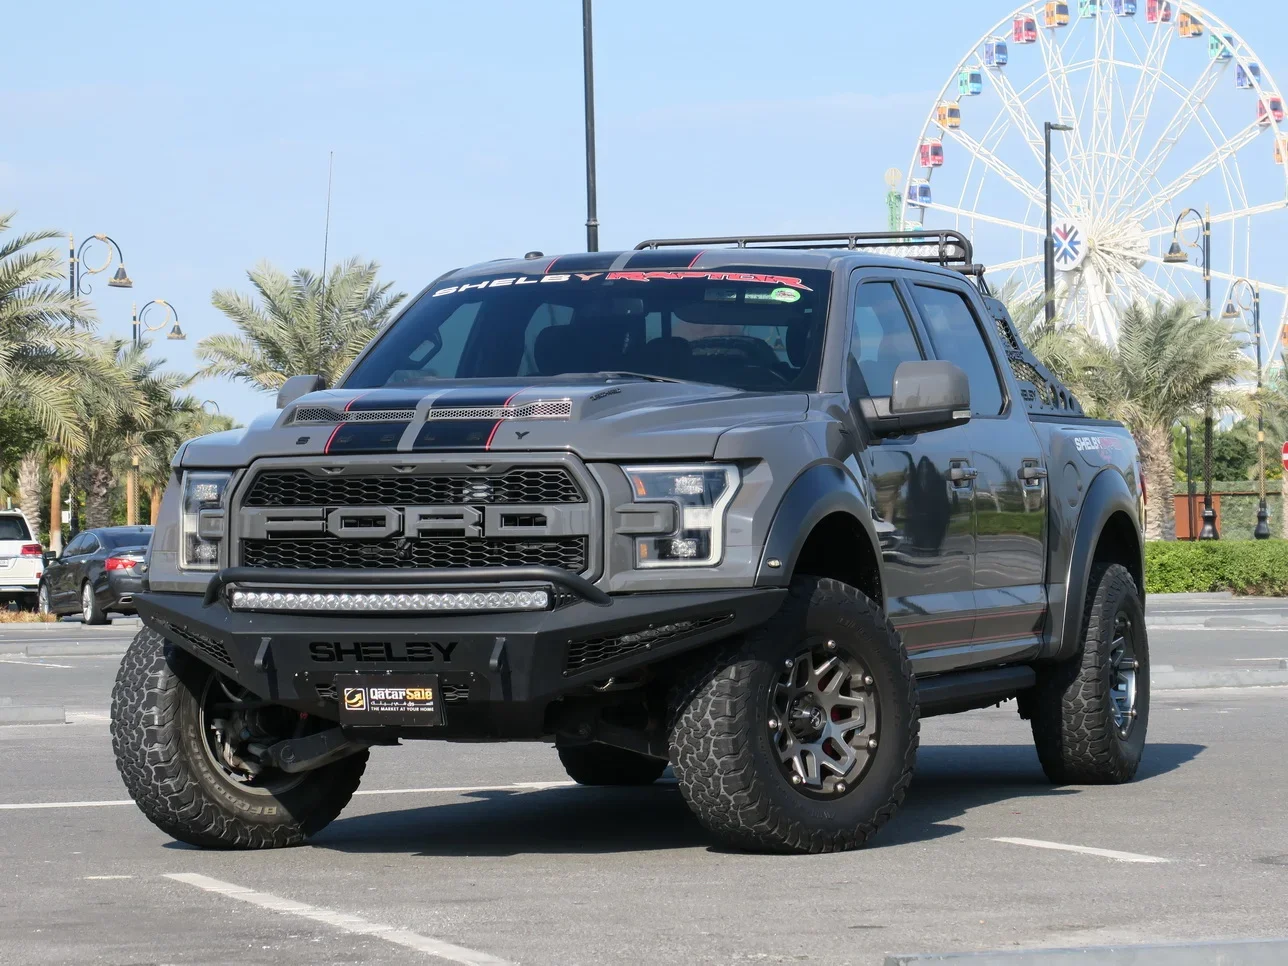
750 507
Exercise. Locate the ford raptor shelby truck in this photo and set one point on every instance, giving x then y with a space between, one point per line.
747 507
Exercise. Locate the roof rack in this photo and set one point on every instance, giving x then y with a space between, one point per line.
947 248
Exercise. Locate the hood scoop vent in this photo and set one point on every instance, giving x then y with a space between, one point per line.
540 409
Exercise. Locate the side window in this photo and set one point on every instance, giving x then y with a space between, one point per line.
956 336
76 546
881 336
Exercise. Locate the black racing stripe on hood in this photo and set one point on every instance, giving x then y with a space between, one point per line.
454 434
584 262
366 437
677 258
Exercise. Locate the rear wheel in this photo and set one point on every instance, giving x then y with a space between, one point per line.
605 765
91 613
185 739
1090 713
802 736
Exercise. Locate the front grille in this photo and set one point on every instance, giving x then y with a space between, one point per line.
208 646
331 553
533 486
600 650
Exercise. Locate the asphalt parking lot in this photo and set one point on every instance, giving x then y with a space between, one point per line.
483 853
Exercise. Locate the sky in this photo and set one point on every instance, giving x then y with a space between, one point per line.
197 135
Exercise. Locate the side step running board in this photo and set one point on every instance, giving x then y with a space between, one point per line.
966 690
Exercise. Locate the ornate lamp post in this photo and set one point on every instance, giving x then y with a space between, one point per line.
1176 256
139 327
75 277
1235 307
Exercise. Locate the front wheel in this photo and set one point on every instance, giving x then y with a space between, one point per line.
1090 713
802 736
43 604
91 613
185 739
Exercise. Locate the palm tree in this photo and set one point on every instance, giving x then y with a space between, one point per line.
123 418
1167 361
42 330
301 325
1059 347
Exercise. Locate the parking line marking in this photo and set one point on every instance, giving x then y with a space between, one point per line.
1085 850
105 878
9 660
341 920
458 789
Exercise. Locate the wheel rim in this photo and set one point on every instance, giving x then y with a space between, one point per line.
1123 667
823 717
230 720
87 600
42 600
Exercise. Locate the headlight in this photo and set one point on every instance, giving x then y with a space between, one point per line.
702 493
203 520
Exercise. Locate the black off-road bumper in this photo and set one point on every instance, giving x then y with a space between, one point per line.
498 673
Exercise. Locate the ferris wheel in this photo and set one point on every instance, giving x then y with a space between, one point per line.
1171 117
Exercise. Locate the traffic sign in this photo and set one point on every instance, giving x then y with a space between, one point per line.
1285 454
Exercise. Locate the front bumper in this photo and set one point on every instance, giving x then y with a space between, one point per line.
498 672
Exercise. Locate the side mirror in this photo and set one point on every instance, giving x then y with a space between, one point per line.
928 396
298 386
48 555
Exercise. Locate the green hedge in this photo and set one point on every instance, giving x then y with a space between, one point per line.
1258 568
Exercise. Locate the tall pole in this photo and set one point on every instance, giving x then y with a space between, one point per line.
1209 531
71 261
1048 248
1262 529
1191 529
132 477
588 71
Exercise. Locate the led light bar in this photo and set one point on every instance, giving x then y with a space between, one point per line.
489 600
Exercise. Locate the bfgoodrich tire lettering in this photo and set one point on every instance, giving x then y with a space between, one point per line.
157 738
1079 736
722 747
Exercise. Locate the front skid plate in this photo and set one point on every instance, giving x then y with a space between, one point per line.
516 658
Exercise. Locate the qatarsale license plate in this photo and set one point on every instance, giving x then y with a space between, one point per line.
410 700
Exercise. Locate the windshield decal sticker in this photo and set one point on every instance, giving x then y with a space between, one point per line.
787 284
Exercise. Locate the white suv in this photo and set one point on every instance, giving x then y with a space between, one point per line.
22 560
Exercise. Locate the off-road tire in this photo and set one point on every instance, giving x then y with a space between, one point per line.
721 745
604 765
155 735
91 613
1071 709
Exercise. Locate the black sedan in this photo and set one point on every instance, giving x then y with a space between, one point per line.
98 571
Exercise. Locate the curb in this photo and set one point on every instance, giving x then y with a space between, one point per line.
1195 679
36 714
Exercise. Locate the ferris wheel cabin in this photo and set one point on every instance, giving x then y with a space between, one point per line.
971 83
1158 11
932 153
1267 107
1087 9
1057 14
1190 26
996 53
1281 149
1221 47
1247 79
949 115
919 193
1025 30
1124 8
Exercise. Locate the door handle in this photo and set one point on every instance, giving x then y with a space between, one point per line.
962 474
1032 473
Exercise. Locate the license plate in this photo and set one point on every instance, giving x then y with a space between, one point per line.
410 700
7 561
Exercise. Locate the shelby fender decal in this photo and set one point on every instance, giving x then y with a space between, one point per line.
428 652
628 277
1105 446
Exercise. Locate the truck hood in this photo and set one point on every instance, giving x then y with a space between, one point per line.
594 418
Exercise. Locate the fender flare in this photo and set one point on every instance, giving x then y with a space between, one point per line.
820 491
1108 494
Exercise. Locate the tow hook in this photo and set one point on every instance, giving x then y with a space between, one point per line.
305 754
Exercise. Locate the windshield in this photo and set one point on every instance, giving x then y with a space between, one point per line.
753 328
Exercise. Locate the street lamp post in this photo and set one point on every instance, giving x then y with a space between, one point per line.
1048 253
1176 256
76 258
1234 308
588 78
139 327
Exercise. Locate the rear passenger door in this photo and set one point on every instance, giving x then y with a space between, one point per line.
924 517
1010 483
